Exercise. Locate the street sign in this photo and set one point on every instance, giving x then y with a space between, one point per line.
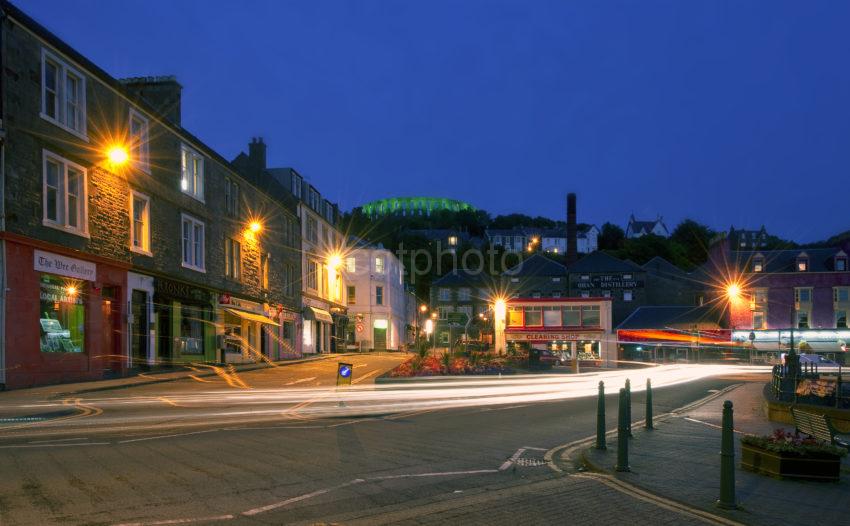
359 327
344 372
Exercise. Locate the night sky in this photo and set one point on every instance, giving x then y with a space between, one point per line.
727 112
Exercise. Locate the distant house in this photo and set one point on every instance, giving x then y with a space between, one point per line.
637 229
449 239
512 240
552 240
747 239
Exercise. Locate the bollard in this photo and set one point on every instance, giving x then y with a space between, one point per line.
600 417
622 436
628 408
649 404
727 461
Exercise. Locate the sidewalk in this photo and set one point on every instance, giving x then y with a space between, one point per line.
147 378
680 460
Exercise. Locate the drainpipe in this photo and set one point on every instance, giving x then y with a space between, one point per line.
2 200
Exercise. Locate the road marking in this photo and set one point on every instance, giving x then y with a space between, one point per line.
536 448
511 460
299 498
504 408
435 474
366 376
55 440
178 521
169 436
709 424
28 446
301 380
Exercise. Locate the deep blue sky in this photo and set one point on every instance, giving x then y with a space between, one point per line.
728 112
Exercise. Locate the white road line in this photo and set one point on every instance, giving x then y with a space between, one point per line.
504 408
536 448
709 424
178 521
511 460
23 446
365 376
437 474
299 498
169 436
300 380
55 440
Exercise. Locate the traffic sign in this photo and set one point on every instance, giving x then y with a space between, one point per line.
344 372
359 327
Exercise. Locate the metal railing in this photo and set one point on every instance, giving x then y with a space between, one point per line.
808 384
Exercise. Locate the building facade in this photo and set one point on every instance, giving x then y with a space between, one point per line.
126 242
549 240
636 228
376 298
599 275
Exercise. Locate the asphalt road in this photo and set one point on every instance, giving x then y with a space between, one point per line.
282 446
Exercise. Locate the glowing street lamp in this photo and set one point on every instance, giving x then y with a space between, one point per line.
255 227
733 292
423 308
117 155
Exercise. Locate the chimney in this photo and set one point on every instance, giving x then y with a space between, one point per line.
572 248
162 94
256 156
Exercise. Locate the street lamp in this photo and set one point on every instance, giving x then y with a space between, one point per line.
117 155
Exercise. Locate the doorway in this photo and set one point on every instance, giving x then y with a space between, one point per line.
379 338
139 340
110 308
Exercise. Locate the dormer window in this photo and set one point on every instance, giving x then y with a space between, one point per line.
841 262
758 264
803 263
452 241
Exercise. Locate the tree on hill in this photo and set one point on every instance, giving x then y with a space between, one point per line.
611 237
693 239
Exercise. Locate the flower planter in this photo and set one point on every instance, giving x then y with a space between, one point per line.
821 466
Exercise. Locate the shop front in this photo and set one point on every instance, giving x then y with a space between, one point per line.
671 345
185 323
289 347
316 329
141 322
250 335
64 316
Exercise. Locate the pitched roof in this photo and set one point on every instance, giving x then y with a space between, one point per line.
602 262
537 265
820 259
460 277
662 317
661 267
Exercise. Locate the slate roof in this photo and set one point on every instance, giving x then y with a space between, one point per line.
661 317
536 266
661 267
602 262
461 278
820 259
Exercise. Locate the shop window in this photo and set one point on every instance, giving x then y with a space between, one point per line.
515 318
64 195
552 316
571 316
590 316
533 317
191 330
62 315
140 231
587 350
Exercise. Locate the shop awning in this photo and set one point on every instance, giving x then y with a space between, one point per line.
250 316
312 313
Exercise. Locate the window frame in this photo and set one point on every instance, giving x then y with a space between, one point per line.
231 196
193 222
143 162
380 266
379 295
145 248
233 259
187 152
82 229
63 67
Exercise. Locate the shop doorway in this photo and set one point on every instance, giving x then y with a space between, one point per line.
379 338
139 339
110 307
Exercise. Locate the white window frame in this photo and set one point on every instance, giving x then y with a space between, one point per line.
143 161
380 268
197 190
193 222
351 264
63 70
82 229
233 259
145 248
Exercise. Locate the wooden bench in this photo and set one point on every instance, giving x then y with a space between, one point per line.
817 426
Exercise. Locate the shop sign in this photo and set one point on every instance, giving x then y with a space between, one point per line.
227 299
287 315
548 336
175 289
608 281
64 266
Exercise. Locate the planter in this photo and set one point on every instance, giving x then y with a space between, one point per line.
824 467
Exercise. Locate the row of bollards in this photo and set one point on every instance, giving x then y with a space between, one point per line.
624 432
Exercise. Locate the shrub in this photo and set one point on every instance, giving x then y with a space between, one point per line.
782 441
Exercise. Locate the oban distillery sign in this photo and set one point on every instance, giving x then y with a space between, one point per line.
609 281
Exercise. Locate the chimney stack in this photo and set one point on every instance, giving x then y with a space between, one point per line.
256 156
163 94
572 243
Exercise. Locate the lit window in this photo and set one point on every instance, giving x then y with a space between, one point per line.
758 264
515 318
193 243
802 264
62 316
192 173
351 264
312 275
379 295
64 194
627 295
63 94
552 317
758 320
352 295
379 265
140 228
139 141
452 241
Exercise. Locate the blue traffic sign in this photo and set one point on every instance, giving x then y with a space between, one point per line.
344 372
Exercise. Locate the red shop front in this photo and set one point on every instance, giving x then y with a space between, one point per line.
65 320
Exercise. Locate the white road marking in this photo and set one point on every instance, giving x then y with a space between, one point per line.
55 440
511 460
301 380
536 448
709 424
22 446
169 436
299 498
178 521
504 408
365 376
437 474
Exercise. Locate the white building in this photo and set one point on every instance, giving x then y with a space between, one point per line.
552 240
377 300
636 229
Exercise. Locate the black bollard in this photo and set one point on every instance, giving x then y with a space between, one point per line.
727 461
622 435
649 424
628 408
600 417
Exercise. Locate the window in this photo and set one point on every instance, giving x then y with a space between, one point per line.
452 241
379 265
535 294
464 294
445 294
296 186
758 264
140 223
312 275
533 316
556 280
802 319
841 294
289 280
572 316
63 94
192 173
62 315
444 338
585 277
627 276
65 195
312 229
444 312
627 295
264 270
606 293
193 243
585 294
760 296
351 264
191 330
515 318
352 295
758 320
802 295
139 141
552 317
841 264
379 295
841 319
231 197
590 316
802 264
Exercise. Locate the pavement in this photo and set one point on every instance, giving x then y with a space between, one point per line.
286 446
679 460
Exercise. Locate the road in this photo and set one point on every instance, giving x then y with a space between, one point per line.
282 446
